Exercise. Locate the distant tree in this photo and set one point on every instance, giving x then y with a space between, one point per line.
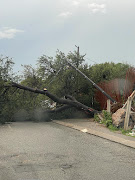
6 75
108 71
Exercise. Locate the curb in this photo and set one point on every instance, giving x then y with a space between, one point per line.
112 138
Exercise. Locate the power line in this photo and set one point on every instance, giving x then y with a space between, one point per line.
91 60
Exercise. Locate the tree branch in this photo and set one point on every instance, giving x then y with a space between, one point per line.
70 101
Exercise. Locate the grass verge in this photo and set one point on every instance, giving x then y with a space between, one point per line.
107 120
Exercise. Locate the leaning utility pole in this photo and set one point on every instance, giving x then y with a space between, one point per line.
94 84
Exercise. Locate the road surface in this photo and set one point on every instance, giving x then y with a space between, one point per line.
48 151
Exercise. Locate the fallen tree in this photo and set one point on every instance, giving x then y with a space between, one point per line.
66 102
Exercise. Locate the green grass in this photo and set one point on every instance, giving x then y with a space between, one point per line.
125 132
113 128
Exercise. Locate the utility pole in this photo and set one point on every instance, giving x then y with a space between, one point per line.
78 56
77 64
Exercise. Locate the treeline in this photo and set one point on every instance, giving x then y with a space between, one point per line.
55 75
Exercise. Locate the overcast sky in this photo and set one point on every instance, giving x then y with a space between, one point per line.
103 29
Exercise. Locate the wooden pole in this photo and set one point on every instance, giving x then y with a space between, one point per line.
108 105
128 112
132 96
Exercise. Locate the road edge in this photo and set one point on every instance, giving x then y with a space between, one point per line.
109 137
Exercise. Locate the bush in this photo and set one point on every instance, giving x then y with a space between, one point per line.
107 118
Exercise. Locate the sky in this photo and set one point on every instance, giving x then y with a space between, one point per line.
103 29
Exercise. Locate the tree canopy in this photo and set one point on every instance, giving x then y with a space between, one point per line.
57 77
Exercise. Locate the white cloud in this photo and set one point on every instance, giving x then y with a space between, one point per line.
94 7
75 3
8 33
65 14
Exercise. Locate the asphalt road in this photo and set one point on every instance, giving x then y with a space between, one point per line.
48 151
